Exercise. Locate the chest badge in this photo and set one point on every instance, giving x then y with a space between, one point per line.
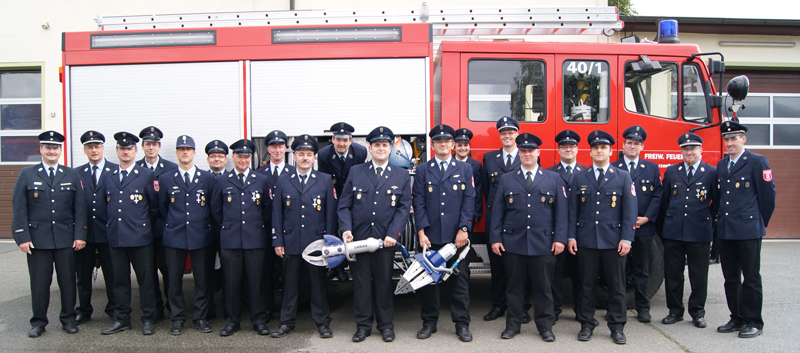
644 188
430 188
747 184
613 204
737 185
652 188
463 187
583 198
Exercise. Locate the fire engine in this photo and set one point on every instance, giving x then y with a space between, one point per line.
240 75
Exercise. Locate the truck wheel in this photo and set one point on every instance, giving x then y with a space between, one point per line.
656 277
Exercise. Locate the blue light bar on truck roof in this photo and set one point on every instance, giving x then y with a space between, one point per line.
668 31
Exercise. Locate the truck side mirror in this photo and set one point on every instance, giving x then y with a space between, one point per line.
715 67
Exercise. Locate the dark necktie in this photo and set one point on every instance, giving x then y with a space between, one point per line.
632 167
442 167
124 175
600 176
691 172
378 174
341 159
730 166
186 179
152 169
94 176
302 182
275 173
508 162
529 179
241 179
52 174
569 172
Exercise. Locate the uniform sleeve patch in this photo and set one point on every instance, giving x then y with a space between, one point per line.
155 185
633 189
564 191
767 174
334 194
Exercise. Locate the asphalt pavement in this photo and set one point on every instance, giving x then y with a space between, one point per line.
781 312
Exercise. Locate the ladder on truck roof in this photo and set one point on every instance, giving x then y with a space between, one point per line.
450 23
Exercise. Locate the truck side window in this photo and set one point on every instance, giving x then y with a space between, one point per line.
586 91
652 91
514 88
694 100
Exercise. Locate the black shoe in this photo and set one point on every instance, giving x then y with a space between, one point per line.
494 314
160 317
203 326
426 332
70 328
594 322
463 333
731 326
229 330
115 327
80 318
618 337
585 334
150 328
177 328
388 335
507 334
548 336
699 322
749 332
261 329
644 316
35 331
325 331
360 335
526 318
282 330
671 319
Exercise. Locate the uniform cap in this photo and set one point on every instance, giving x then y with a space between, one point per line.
380 133
243 147
275 137
305 142
568 137
732 128
92 137
441 132
600 137
507 123
52 138
528 141
690 139
342 130
184 141
463 135
216 146
635 132
126 139
151 133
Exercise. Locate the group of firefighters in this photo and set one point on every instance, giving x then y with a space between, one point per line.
151 214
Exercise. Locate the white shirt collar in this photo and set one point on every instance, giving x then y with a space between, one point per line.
100 165
382 166
191 172
246 173
565 165
512 153
154 165
280 166
525 171
129 170
628 162
47 168
693 165
439 161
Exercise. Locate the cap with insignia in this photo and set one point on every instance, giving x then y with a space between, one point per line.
528 141
441 132
690 139
216 146
151 133
380 133
600 137
275 137
243 147
305 142
184 141
568 137
126 139
635 132
463 135
342 130
731 129
507 123
51 138
92 137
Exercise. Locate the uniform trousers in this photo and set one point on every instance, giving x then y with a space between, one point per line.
538 270
237 265
459 295
160 264
372 288
293 281
590 262
640 251
40 269
85 260
141 258
201 271
676 255
565 262
742 258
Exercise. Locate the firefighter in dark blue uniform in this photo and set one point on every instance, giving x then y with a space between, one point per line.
602 220
375 203
190 210
217 152
243 238
530 228
96 249
151 146
495 164
462 153
132 197
567 141
444 202
647 178
304 209
689 206
747 201
50 226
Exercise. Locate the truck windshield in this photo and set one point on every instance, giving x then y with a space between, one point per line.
585 91
652 92
514 88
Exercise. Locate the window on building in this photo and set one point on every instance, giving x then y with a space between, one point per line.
586 91
514 88
773 120
20 115
652 92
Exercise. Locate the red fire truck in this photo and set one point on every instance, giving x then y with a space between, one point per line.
240 75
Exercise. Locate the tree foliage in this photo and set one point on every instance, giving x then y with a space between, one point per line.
625 6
